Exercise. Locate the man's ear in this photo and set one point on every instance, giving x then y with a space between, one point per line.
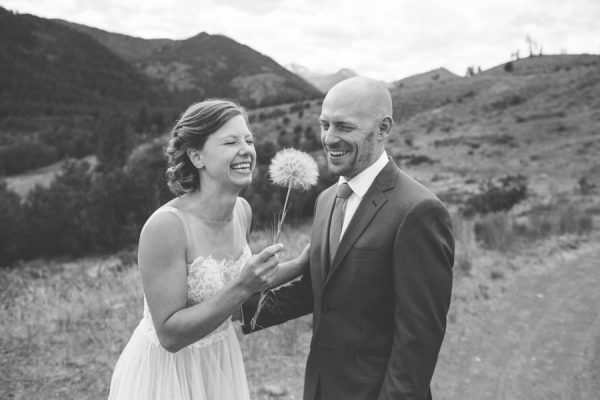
385 126
195 157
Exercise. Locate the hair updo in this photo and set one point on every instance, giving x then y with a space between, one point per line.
195 125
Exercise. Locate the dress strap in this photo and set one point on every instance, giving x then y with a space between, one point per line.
182 220
241 213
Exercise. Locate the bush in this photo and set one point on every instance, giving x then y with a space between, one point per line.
499 231
574 221
500 195
58 218
11 224
505 102
494 232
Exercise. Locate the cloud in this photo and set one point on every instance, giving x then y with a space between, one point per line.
251 7
385 39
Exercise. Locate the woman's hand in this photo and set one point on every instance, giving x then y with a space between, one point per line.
261 269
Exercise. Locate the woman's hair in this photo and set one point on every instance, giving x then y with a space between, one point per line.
195 125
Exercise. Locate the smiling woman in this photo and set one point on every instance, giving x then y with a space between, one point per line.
196 266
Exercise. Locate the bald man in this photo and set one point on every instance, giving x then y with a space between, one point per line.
380 276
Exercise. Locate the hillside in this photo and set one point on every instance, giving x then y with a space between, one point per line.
454 134
61 83
207 65
430 77
129 48
540 120
48 68
57 85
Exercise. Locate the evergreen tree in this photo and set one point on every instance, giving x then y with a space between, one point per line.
11 223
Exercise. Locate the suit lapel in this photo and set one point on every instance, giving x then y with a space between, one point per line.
370 204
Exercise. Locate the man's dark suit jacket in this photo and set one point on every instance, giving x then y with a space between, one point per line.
379 316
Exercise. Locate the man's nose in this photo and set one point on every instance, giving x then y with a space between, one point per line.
329 136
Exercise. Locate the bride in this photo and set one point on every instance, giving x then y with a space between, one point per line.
196 266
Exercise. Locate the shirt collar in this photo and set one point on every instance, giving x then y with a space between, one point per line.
363 181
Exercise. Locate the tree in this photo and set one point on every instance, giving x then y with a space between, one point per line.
58 218
533 46
11 224
115 140
142 119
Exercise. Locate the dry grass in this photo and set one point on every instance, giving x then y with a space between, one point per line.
64 325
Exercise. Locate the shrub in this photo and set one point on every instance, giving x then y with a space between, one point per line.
463 263
574 221
508 101
58 218
494 232
11 223
500 195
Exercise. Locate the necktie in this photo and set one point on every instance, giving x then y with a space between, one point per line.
337 218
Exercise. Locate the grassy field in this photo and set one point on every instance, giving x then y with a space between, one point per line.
64 323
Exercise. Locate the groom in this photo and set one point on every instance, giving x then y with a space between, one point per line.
380 279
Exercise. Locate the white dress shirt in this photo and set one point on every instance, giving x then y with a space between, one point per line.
359 185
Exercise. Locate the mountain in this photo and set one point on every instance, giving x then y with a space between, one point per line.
207 66
62 84
322 81
59 86
46 67
129 48
430 77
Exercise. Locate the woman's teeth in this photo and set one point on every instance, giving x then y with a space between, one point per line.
241 166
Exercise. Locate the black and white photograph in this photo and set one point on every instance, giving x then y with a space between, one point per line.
300 200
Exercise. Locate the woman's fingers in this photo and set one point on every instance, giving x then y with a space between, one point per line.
269 252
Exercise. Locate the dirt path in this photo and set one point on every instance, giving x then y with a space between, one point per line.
539 340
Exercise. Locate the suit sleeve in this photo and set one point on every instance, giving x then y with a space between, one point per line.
423 256
288 302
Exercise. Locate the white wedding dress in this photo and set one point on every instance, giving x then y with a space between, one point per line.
209 369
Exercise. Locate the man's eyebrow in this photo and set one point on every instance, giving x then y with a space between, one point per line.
346 123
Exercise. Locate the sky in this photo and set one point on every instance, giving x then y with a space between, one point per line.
382 39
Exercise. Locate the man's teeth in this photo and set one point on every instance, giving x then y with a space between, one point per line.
337 153
240 166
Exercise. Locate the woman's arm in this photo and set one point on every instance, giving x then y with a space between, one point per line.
162 261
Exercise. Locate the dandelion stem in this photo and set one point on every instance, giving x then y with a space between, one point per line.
283 213
263 295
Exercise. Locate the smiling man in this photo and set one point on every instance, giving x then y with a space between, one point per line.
351 137
380 275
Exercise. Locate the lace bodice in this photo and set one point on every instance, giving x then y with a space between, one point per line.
206 276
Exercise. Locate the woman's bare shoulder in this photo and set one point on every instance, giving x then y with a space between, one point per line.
162 233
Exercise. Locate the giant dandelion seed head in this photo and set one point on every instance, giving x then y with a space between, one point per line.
294 168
